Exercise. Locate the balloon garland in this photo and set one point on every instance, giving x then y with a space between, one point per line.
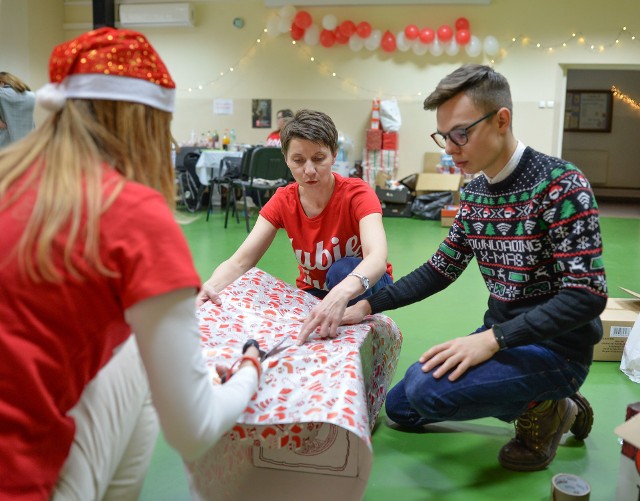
329 33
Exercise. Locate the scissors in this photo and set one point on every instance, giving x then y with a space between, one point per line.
277 348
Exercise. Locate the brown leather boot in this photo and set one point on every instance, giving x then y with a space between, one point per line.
538 433
584 420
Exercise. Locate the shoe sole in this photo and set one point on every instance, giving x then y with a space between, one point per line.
567 422
581 428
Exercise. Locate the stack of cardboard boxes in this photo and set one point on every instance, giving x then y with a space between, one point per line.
380 155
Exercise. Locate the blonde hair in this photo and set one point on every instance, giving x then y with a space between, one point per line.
64 163
13 81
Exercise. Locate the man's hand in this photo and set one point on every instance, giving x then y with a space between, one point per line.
459 354
356 313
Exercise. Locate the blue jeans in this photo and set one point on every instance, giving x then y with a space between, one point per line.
339 270
501 387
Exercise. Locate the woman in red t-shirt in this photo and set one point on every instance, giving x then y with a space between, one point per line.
334 225
91 251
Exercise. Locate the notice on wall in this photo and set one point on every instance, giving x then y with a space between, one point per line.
223 106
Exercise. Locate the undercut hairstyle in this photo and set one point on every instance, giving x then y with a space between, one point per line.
487 89
313 126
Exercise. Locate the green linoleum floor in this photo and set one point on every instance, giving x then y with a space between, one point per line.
459 462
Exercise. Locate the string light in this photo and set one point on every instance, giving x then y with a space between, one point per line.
625 98
575 38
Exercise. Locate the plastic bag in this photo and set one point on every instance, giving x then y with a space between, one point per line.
390 115
429 205
630 363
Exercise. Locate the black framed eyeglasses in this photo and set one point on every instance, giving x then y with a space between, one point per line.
458 137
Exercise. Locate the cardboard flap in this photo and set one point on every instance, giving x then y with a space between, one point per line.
629 431
634 294
439 182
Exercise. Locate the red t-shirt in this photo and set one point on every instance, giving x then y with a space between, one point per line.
54 337
335 233
273 139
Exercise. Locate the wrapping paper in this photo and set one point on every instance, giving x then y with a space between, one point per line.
375 161
309 396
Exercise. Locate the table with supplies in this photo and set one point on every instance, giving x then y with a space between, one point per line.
306 433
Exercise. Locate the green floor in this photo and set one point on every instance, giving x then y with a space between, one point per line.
458 463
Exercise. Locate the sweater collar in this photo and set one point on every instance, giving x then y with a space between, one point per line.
509 167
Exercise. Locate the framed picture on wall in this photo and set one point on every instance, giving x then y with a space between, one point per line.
261 113
588 111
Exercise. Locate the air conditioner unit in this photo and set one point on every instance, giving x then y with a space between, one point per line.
156 14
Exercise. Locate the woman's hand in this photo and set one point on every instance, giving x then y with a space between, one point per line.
325 317
208 293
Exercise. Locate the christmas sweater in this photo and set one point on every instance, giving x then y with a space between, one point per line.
536 239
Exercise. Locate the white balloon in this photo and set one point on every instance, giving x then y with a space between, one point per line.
355 43
284 25
491 46
420 49
272 26
329 22
287 12
452 48
312 35
372 42
436 48
474 47
402 43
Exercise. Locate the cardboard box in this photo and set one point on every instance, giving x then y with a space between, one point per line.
448 214
397 210
399 195
617 320
440 182
629 472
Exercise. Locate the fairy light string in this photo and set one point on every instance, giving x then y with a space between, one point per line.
309 53
625 98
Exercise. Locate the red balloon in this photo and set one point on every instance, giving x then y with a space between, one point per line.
347 28
363 29
341 38
388 42
327 38
427 35
296 32
462 23
302 19
445 33
411 32
463 37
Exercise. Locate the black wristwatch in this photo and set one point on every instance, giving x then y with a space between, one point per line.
363 280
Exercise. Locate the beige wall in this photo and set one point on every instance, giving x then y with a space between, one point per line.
280 71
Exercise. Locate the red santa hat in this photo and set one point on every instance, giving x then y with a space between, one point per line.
110 64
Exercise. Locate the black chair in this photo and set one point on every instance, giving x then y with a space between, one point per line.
267 171
230 169
190 188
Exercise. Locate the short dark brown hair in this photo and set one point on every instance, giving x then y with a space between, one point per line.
313 126
488 89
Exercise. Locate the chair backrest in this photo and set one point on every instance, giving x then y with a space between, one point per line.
267 162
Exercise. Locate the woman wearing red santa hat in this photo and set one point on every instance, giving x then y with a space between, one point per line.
91 252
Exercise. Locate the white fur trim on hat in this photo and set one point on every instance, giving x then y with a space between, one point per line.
50 97
110 88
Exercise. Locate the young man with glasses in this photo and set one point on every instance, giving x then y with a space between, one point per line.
531 222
